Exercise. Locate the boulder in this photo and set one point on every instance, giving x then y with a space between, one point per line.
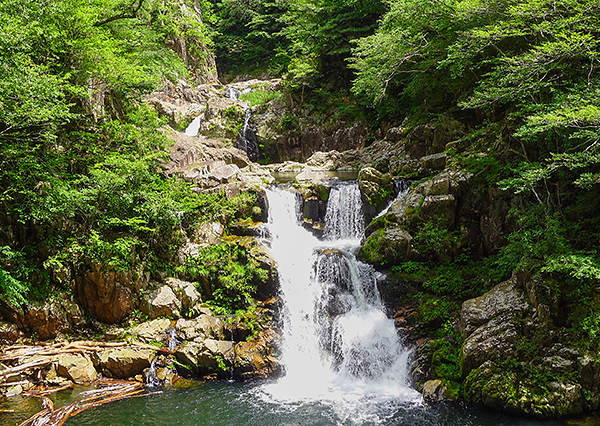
505 298
494 387
377 187
439 208
186 292
77 368
123 363
330 160
255 358
496 340
388 247
152 331
431 389
201 328
207 357
161 302
432 163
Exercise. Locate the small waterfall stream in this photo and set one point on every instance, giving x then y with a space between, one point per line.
339 347
194 127
247 139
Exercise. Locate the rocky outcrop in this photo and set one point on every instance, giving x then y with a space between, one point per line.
207 357
193 50
201 328
152 331
256 358
514 360
299 145
391 237
45 319
108 293
186 293
377 187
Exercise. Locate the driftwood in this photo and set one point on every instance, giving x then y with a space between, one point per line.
10 371
109 391
84 346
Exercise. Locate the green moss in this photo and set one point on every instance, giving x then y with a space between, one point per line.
378 250
445 360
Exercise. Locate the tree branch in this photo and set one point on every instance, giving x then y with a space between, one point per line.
130 14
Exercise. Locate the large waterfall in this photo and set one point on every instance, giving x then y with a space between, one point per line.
338 345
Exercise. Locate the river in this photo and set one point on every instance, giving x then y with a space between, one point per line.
344 361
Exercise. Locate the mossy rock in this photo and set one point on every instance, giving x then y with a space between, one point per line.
504 390
387 247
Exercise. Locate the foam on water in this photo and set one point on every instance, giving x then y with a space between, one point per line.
339 348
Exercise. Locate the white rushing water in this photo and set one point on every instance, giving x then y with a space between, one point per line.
194 127
339 348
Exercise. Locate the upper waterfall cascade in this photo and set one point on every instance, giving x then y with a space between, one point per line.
338 344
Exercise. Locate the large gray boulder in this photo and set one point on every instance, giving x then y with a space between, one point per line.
161 302
77 368
505 298
123 363
207 357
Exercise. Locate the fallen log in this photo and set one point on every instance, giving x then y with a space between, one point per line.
23 367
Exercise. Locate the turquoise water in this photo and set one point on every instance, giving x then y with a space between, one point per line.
238 404
233 404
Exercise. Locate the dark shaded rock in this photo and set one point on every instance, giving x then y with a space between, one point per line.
44 319
109 294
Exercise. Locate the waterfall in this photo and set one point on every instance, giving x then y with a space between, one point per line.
247 139
338 344
194 127
401 188
151 379
344 217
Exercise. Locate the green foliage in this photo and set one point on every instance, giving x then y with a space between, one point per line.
537 239
445 360
260 97
228 276
248 36
321 32
436 311
15 291
289 122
